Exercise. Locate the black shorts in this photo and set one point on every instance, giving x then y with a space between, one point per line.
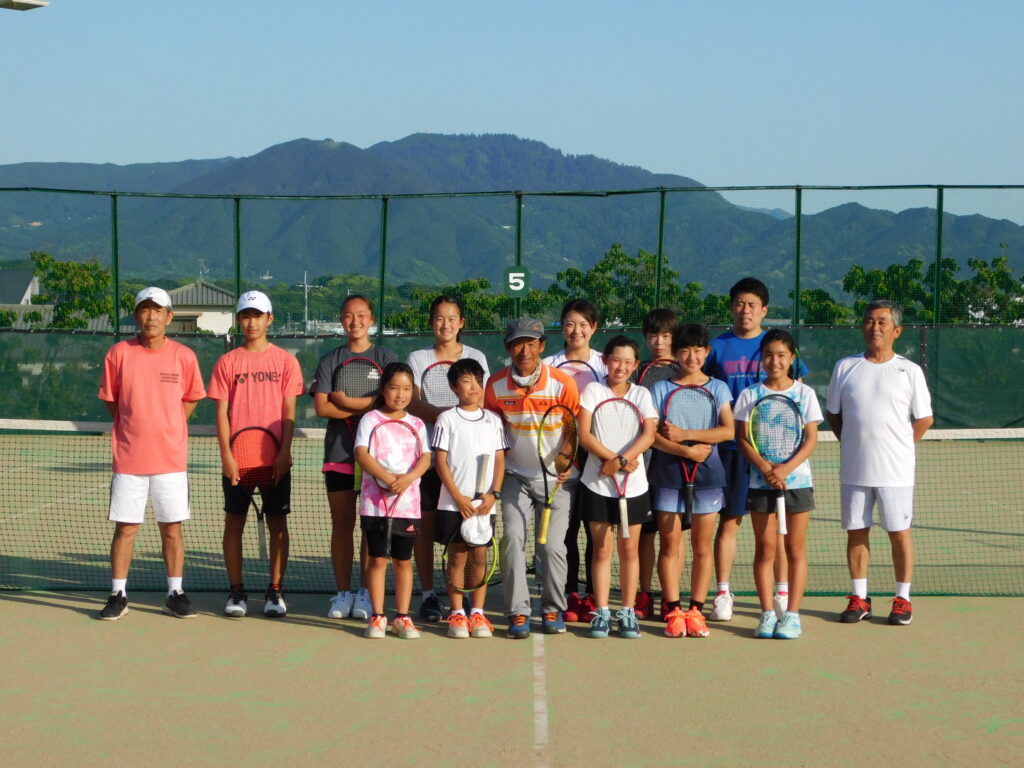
447 525
375 531
339 481
649 526
430 489
595 508
274 499
797 500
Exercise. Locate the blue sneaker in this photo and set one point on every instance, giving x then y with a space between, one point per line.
518 626
553 623
789 626
601 624
629 627
766 629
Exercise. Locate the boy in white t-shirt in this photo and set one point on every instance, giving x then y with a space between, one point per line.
879 407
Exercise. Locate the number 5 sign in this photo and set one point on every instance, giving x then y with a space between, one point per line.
517 281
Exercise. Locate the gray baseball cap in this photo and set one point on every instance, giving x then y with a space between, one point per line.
524 328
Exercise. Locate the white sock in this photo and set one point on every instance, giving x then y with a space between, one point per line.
903 589
119 585
459 612
860 588
173 584
782 588
427 593
342 593
473 611
723 586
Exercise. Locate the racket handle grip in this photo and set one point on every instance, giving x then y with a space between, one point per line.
545 521
623 518
780 513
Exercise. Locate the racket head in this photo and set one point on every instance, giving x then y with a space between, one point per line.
434 388
467 568
254 450
396 446
581 371
557 440
662 369
775 428
616 423
691 407
357 377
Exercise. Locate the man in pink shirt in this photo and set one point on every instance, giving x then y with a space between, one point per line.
150 386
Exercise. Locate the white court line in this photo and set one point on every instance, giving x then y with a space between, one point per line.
63 500
540 703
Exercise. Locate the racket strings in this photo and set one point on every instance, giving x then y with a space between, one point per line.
692 408
558 446
435 389
254 451
616 425
357 378
776 431
467 567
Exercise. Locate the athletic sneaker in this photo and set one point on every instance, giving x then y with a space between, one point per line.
341 605
458 625
629 628
675 624
644 607
722 607
361 606
237 605
766 627
430 609
587 607
663 611
900 613
518 626
781 604
695 624
552 623
573 607
404 628
601 624
479 626
857 609
116 607
377 629
274 607
178 606
789 626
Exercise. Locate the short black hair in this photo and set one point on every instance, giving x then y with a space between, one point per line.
660 321
622 341
390 371
690 335
749 285
466 365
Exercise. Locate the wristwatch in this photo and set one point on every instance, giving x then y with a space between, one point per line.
622 462
496 494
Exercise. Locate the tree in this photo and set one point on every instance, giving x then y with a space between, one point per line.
819 308
78 291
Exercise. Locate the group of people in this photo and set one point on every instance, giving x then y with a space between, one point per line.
878 406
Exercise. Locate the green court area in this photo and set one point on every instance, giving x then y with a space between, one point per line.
969 524
155 691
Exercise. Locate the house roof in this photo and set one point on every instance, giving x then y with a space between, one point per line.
14 284
202 294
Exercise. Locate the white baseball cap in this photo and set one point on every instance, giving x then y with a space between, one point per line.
254 300
158 296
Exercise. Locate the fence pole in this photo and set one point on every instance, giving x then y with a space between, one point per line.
661 249
519 245
115 266
383 263
937 288
238 246
799 192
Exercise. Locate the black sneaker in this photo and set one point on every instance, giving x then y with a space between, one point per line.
857 609
116 607
274 607
236 605
431 610
178 606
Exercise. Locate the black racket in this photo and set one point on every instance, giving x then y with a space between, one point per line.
557 440
776 430
657 370
356 377
691 408
255 450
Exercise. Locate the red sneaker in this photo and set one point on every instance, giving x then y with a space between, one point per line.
587 609
644 607
572 611
675 623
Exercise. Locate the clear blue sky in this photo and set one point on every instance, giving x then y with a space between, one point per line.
729 93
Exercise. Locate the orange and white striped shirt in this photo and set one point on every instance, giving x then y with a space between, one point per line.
522 409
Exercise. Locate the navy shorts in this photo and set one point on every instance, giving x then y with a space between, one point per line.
274 499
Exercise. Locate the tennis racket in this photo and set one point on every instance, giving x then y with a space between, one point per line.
557 441
617 424
691 407
396 446
776 430
582 372
466 566
657 370
434 388
254 450
356 377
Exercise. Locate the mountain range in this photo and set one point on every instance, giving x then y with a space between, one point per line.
436 240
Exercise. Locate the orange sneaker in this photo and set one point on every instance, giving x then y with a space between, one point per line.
376 628
675 623
458 625
479 626
695 624
404 628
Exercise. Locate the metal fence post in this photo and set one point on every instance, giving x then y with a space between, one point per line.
238 246
115 266
799 192
383 263
661 249
519 246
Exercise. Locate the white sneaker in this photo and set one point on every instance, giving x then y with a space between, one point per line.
780 603
236 603
341 606
275 606
377 629
362 608
404 628
722 610
458 625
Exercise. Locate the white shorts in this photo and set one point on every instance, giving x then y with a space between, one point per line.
706 501
895 506
129 493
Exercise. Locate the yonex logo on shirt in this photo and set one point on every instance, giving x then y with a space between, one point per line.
258 376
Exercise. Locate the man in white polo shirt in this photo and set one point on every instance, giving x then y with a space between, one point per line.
879 408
